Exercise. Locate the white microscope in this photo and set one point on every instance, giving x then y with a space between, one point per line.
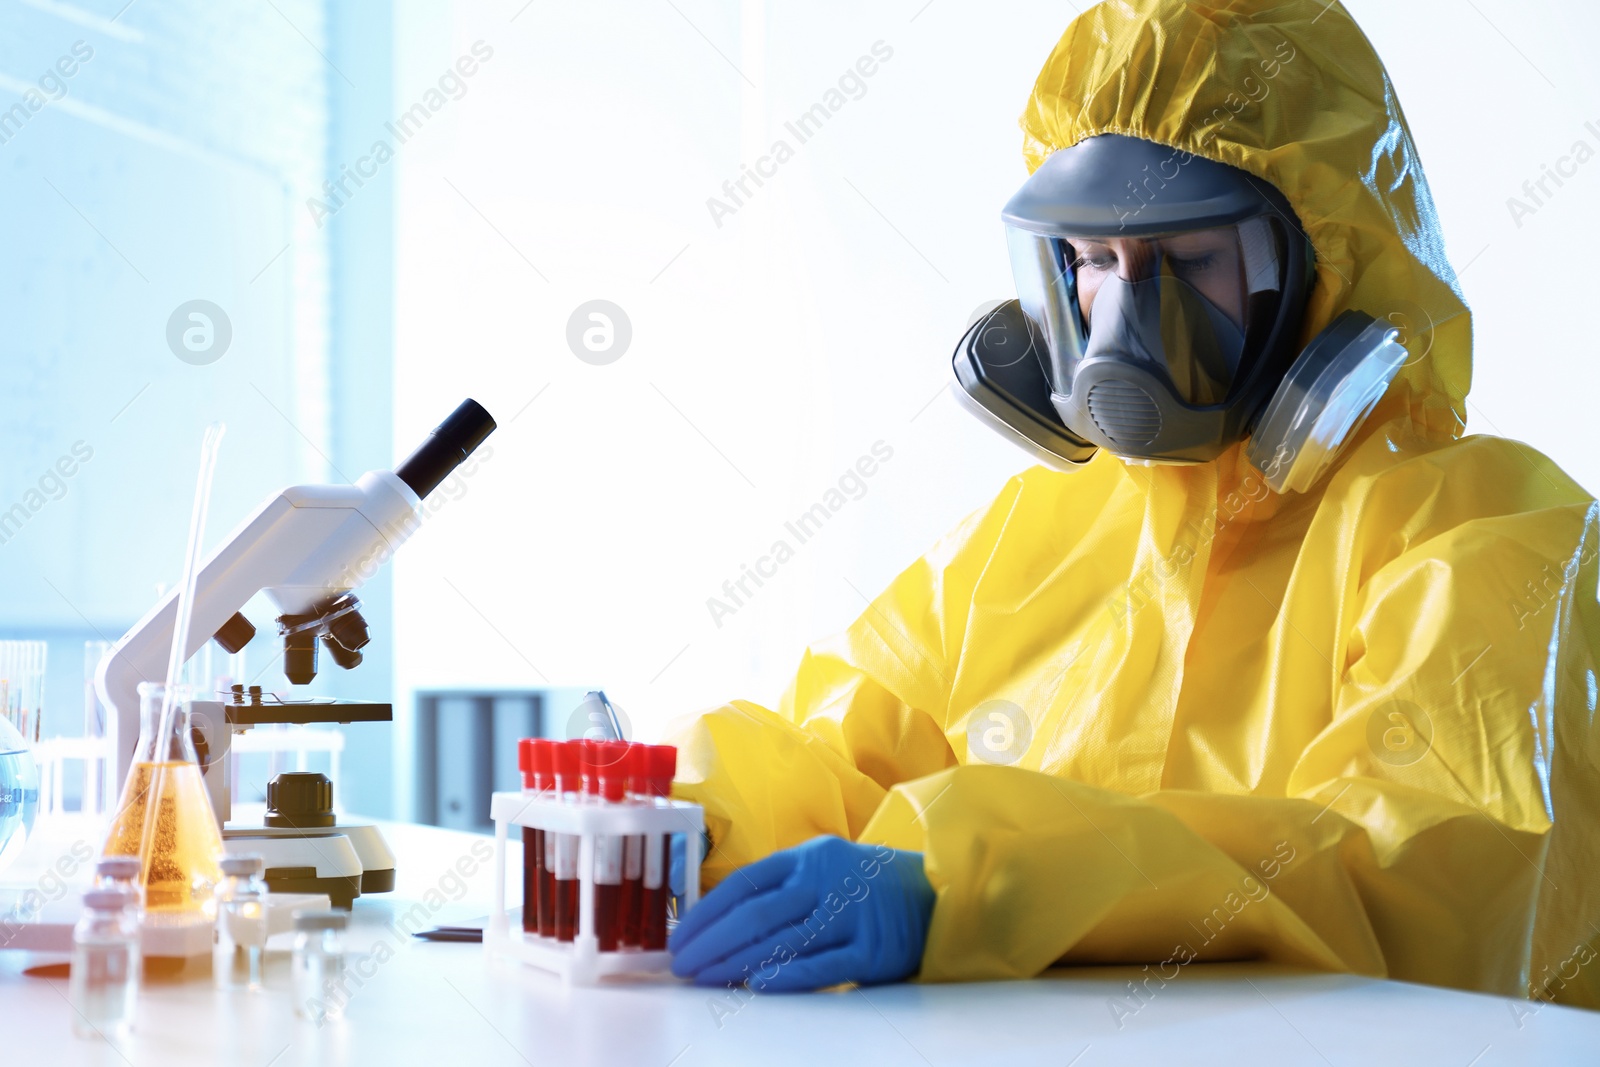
306 549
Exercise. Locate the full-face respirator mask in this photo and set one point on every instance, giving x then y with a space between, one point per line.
1160 298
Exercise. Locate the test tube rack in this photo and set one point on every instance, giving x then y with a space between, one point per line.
580 961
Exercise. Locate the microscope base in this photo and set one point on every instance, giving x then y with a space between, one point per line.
342 861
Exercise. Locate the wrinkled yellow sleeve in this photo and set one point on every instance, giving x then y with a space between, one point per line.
1427 857
842 738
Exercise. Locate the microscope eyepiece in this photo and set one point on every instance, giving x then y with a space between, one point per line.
452 441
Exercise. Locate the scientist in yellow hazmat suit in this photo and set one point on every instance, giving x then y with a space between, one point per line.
1286 668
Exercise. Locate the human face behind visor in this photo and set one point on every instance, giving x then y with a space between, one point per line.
1124 319
1208 261
1164 292
1201 271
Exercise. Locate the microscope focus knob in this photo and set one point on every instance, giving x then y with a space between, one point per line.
300 799
235 634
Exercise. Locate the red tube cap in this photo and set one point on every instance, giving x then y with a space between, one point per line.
589 765
564 766
638 763
541 761
663 767
611 764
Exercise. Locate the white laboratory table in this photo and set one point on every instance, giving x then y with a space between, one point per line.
447 1004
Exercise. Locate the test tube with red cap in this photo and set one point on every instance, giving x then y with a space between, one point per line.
588 772
541 763
630 905
544 779
561 850
662 764
611 769
532 844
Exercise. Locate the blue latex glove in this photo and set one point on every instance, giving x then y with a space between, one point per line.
825 912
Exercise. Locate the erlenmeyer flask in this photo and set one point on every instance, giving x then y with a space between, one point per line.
181 853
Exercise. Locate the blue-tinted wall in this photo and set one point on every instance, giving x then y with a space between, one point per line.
151 156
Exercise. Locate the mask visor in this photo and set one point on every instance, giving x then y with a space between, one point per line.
1194 309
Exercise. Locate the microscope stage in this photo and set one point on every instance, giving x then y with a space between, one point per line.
301 712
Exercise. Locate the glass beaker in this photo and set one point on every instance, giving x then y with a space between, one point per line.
181 852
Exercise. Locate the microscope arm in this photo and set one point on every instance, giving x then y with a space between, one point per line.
303 546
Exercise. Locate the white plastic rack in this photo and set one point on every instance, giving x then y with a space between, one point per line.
580 961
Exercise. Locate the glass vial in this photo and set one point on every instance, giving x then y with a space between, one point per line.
122 873
105 966
319 965
241 937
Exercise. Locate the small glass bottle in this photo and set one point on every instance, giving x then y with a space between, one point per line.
319 964
241 936
105 965
119 872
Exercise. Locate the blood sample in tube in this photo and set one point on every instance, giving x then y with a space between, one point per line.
564 855
611 770
532 844
658 848
547 889
633 851
544 784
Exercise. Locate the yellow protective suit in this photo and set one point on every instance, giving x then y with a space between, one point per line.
1154 714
